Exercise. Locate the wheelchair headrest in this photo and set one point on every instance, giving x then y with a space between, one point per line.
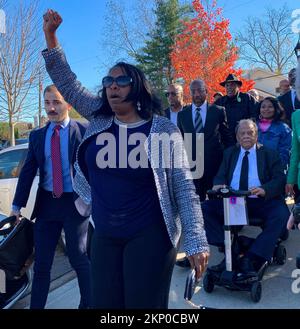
296 213
7 224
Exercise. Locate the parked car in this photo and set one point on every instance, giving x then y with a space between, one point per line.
18 141
11 162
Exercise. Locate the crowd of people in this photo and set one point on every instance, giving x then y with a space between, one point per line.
143 195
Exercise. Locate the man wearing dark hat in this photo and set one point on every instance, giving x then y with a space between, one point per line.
238 105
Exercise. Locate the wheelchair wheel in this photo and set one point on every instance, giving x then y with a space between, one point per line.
298 261
256 292
208 283
280 255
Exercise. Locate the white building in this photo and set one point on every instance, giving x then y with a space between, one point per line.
266 82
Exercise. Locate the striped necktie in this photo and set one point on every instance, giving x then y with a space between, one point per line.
198 121
57 176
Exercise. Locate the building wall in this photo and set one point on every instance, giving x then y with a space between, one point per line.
266 83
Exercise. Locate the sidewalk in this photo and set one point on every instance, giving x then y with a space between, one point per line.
276 288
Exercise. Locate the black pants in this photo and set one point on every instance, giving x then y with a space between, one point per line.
47 230
273 212
132 273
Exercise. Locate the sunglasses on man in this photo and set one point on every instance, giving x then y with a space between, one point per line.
121 81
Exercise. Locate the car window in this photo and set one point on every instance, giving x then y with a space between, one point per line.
21 141
11 162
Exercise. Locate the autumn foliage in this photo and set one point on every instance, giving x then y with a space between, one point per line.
204 50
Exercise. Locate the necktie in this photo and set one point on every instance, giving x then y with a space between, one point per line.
198 121
244 173
56 163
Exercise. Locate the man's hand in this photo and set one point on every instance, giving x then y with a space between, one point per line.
258 191
52 21
17 214
199 263
217 187
289 190
291 222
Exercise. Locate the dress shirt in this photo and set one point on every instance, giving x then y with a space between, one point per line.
173 116
253 179
64 146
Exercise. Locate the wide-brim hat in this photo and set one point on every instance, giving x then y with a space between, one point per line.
231 78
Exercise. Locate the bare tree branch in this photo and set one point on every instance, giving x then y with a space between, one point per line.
268 41
20 62
127 27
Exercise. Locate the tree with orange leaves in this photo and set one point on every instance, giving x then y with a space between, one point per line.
204 50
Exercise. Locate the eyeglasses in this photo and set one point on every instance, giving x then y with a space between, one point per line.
121 81
171 93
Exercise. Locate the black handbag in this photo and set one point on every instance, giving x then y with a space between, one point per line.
16 245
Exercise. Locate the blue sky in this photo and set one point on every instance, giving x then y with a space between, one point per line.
83 23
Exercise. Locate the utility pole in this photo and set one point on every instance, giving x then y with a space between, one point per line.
40 100
2 31
2 21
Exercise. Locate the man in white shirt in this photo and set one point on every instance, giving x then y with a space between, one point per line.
174 95
264 177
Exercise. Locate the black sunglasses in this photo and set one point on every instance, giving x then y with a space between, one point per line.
172 93
121 81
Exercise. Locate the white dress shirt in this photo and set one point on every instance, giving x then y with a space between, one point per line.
173 116
253 179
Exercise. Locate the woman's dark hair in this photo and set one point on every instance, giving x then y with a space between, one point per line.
140 92
279 113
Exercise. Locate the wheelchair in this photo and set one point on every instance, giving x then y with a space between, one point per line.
296 213
235 245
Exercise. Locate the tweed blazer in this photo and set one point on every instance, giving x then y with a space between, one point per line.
179 202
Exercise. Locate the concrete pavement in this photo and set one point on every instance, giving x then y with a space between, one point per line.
276 287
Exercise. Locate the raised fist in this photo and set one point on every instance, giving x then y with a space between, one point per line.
52 20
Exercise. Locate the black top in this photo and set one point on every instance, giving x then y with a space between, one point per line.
124 200
241 106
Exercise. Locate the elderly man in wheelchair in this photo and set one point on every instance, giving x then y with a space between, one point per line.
250 166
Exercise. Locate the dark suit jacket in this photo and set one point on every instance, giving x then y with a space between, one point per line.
36 158
269 167
216 135
242 106
286 101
